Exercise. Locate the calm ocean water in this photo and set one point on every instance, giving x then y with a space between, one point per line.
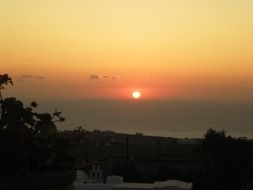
155 117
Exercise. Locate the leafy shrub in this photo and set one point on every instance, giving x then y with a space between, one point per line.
29 141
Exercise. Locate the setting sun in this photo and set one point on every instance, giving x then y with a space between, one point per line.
136 94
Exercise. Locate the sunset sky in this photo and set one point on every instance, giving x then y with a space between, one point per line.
167 49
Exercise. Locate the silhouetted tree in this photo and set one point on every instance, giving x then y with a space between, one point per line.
28 140
4 80
227 161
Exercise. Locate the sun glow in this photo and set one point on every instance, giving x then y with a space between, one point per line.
136 94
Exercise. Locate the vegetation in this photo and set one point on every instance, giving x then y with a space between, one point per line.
29 141
227 162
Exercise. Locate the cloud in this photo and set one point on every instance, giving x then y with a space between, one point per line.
94 77
114 77
26 77
104 76
39 77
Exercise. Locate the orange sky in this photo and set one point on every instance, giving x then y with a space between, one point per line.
184 49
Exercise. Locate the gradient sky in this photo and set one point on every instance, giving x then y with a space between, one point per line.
173 49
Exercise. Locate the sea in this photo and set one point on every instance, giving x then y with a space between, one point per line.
180 119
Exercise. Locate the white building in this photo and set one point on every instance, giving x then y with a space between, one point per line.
117 183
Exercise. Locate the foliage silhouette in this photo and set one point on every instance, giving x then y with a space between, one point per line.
4 80
227 161
29 141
